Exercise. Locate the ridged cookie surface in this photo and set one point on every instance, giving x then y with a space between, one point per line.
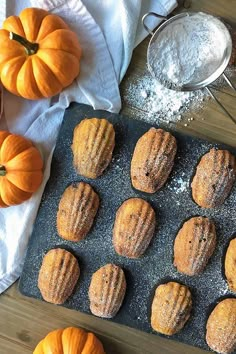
221 327
134 227
230 265
77 209
171 308
107 291
214 178
194 245
153 160
58 275
93 144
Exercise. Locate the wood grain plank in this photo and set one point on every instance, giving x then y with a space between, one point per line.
7 346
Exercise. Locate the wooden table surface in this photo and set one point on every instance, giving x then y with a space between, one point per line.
24 321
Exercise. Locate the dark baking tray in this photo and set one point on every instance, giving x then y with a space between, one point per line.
173 205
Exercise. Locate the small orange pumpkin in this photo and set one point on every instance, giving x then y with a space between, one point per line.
70 340
39 54
20 169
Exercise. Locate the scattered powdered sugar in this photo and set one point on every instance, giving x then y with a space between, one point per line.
157 104
188 50
224 289
179 183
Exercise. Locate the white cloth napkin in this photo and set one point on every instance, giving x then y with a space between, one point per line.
108 31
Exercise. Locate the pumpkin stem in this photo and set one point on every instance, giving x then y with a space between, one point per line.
31 48
2 171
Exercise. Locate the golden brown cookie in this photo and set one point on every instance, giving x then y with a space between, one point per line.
230 265
171 308
93 144
134 227
194 245
214 178
76 212
221 327
58 275
107 291
153 160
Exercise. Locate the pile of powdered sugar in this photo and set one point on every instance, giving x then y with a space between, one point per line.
188 50
157 104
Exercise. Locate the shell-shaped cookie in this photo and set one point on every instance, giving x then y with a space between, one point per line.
194 245
153 160
134 227
221 327
58 275
107 291
230 265
171 308
76 212
93 144
214 178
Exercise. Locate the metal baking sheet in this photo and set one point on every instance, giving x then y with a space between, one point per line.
173 205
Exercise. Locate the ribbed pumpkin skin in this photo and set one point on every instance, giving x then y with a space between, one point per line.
134 228
107 291
58 275
214 178
194 245
153 160
230 265
22 165
171 308
77 209
221 327
93 144
55 64
70 340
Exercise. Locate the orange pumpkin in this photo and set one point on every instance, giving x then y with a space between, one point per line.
39 54
20 169
70 340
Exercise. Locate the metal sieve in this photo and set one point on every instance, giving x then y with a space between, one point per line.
204 83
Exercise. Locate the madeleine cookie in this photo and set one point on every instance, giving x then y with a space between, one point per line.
214 178
171 308
221 327
230 265
134 227
93 144
107 291
153 160
194 245
58 275
77 209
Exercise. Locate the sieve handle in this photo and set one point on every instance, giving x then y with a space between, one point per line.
151 14
220 104
229 82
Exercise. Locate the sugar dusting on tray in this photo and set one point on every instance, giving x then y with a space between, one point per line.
173 204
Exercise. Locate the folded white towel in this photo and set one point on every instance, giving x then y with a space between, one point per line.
108 31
